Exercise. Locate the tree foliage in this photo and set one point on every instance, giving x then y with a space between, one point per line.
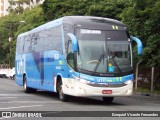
17 6
104 8
142 19
11 26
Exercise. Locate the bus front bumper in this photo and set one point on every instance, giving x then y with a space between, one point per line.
87 90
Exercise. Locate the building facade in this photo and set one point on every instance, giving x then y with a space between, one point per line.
4 4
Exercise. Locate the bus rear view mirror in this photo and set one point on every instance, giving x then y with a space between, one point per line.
139 45
74 42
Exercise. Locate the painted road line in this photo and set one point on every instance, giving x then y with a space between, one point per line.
7 97
15 95
32 102
21 107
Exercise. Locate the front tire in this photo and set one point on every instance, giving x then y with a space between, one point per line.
63 97
108 100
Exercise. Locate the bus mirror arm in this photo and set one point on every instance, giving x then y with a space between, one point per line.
139 44
74 42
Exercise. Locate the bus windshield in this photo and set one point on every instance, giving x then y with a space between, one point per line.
104 51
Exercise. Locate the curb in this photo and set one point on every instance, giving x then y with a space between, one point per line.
147 94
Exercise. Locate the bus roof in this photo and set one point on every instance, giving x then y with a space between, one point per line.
87 19
78 21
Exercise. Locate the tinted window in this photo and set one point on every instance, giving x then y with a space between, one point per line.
116 35
52 38
27 43
49 39
57 38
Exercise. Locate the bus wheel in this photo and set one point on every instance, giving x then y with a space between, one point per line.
27 89
108 100
63 97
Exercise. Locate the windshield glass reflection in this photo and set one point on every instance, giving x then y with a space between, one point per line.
103 52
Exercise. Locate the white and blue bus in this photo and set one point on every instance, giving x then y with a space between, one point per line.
77 56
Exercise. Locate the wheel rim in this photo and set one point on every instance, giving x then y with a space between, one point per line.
25 85
60 92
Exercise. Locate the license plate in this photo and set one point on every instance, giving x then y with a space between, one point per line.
106 91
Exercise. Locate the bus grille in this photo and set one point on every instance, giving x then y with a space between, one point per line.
107 85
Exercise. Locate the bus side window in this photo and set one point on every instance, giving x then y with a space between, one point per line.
18 45
27 45
34 44
21 45
70 54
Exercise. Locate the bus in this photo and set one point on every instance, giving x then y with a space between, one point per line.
77 56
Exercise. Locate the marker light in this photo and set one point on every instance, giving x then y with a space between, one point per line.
128 82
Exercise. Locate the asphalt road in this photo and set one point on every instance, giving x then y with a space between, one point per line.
13 98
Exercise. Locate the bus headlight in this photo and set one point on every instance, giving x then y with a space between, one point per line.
82 80
85 81
128 82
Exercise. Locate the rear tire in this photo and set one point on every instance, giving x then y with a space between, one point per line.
108 100
27 89
63 97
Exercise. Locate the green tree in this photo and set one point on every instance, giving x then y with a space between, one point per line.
17 6
7 27
104 8
143 19
10 25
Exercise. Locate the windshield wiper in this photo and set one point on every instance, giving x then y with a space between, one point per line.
99 61
116 65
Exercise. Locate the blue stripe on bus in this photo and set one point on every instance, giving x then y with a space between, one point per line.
107 79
